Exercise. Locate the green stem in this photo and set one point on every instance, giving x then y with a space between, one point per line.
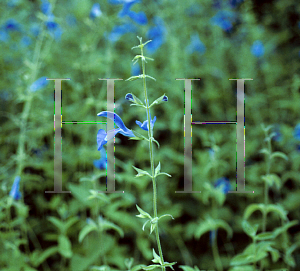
150 135
216 254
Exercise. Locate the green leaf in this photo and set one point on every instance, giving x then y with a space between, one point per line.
164 173
106 225
141 172
151 267
143 228
86 230
279 154
285 227
276 208
38 257
166 215
156 258
265 236
142 214
248 229
242 259
243 267
138 135
265 151
157 170
55 221
132 78
166 264
272 179
65 246
186 268
155 142
210 224
251 209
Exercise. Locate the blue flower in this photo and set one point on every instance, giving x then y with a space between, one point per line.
95 11
257 48
53 28
278 136
46 7
120 30
14 192
38 84
297 132
196 45
224 184
4 36
135 70
26 41
165 98
224 19
101 163
11 25
102 137
129 97
156 34
144 125
139 18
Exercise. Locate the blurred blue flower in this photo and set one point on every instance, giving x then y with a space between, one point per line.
156 34
35 30
95 11
144 125
278 136
139 18
26 41
297 132
224 19
257 48
46 7
4 36
71 20
14 192
11 25
196 45
224 184
235 3
101 163
118 31
38 84
135 69
165 98
103 138
53 28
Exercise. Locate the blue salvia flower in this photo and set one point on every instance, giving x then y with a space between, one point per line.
297 132
103 138
14 192
101 163
224 184
95 11
144 125
196 45
26 41
156 34
11 25
129 97
53 28
46 7
4 36
118 31
139 17
224 19
257 48
38 84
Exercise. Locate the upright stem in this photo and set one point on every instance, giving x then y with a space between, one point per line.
150 135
